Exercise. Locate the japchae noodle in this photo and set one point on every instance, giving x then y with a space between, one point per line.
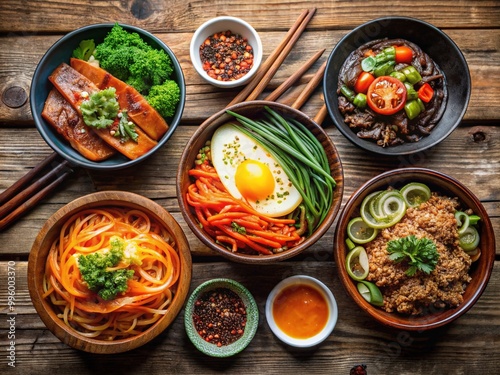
149 292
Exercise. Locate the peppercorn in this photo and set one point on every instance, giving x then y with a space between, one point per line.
219 316
226 56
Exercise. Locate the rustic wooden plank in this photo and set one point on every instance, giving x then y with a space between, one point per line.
181 16
24 147
355 339
481 49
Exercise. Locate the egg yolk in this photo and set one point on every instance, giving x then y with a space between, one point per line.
254 180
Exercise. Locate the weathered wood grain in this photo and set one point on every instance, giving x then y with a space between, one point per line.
355 339
181 16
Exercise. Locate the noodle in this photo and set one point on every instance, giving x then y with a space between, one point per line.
150 290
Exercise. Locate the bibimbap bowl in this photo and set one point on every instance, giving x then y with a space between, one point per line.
477 261
205 207
434 54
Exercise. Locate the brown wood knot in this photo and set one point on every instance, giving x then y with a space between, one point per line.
479 134
14 97
141 9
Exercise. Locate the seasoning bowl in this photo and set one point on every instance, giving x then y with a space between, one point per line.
51 315
207 345
236 26
255 110
312 292
61 51
432 316
432 41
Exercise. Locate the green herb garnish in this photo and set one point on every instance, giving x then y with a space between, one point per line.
126 128
421 254
101 108
84 50
95 271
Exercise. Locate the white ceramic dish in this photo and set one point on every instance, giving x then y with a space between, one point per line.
327 294
237 26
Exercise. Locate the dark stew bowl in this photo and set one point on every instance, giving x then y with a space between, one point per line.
436 44
61 51
480 270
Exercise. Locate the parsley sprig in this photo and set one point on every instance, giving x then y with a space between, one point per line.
421 254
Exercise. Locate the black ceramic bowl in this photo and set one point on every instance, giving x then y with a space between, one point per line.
60 52
434 43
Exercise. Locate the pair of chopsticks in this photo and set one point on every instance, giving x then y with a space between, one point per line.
31 188
268 69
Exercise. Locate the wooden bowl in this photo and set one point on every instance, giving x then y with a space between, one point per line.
205 131
480 270
50 231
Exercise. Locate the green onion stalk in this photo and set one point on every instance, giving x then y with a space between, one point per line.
301 156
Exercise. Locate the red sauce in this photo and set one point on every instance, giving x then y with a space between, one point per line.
300 311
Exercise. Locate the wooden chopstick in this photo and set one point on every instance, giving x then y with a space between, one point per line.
310 87
279 60
321 115
294 77
12 190
305 15
24 199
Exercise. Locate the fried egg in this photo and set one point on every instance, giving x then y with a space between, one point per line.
250 173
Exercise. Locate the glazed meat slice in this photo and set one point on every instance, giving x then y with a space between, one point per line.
138 109
61 115
71 84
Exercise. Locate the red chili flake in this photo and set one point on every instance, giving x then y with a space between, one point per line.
219 316
226 56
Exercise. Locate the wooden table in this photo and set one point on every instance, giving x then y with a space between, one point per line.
471 345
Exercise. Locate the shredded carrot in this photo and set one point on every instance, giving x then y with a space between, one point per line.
233 221
149 293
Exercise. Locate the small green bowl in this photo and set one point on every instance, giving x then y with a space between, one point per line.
252 322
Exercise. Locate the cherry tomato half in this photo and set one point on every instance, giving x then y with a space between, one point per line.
363 82
404 54
386 95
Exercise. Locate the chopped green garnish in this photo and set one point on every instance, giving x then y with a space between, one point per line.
95 270
421 254
101 108
126 128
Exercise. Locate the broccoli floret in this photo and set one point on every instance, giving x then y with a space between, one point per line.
164 98
94 269
153 67
126 56
116 60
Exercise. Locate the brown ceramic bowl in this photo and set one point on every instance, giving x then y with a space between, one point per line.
50 231
480 270
205 131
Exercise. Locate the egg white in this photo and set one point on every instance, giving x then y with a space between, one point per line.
229 147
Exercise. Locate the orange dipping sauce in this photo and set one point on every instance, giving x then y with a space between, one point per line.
300 311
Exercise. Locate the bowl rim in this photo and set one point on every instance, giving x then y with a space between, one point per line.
252 318
395 320
50 229
195 56
327 294
407 148
246 258
47 132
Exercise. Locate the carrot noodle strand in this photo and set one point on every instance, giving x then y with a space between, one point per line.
150 291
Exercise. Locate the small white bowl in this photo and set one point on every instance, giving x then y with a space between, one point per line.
320 287
224 23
